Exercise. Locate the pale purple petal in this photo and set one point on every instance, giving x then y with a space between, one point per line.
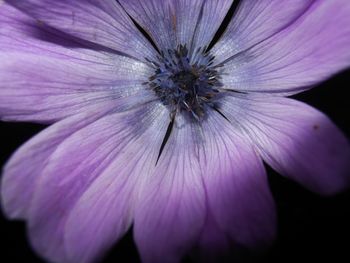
214 12
171 208
83 200
45 89
155 17
311 49
236 186
198 20
44 78
105 211
98 21
170 23
20 175
255 21
295 139
240 208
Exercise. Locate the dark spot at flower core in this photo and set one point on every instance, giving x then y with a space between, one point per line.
186 82
316 127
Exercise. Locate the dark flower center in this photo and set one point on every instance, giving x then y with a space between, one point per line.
187 82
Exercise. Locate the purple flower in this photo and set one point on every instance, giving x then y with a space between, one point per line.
170 139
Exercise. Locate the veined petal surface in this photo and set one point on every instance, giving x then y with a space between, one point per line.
170 23
206 169
171 207
310 48
64 206
21 172
255 21
293 138
102 22
45 77
236 185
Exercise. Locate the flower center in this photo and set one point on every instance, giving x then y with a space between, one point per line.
186 83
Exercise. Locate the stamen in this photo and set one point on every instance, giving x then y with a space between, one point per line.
186 83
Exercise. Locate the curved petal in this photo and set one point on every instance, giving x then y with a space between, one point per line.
255 21
198 20
156 18
105 211
83 200
97 21
170 23
295 139
171 207
205 169
237 187
211 17
310 50
44 78
21 172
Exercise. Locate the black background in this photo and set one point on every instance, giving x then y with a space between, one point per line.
310 227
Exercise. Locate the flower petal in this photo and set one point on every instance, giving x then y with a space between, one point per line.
20 175
295 139
84 199
255 21
237 187
213 14
171 208
205 169
44 78
198 20
170 23
98 21
311 49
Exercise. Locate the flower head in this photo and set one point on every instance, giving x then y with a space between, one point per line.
166 135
